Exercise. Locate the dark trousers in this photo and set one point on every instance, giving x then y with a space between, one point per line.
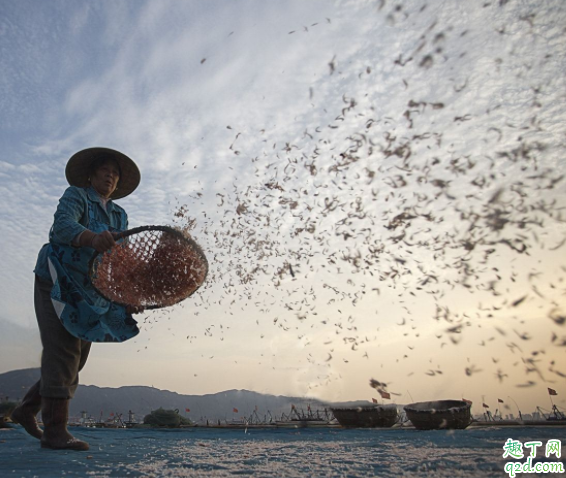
64 355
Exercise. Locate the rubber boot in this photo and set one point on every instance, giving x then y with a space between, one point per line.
55 413
25 412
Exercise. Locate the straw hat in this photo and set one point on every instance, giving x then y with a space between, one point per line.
78 171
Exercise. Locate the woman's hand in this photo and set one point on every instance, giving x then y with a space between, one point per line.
103 241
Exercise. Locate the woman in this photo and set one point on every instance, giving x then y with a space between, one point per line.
70 314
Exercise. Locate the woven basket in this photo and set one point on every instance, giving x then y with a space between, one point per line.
440 414
366 416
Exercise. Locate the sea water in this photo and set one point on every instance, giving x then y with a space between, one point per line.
302 452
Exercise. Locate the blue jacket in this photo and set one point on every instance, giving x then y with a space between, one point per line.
83 312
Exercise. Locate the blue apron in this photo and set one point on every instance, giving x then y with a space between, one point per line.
83 312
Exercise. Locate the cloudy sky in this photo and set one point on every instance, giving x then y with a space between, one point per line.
379 188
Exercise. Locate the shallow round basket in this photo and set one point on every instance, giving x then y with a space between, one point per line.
440 414
368 416
149 267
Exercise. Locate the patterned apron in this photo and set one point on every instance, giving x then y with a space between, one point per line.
83 312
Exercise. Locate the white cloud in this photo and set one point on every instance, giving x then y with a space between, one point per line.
131 75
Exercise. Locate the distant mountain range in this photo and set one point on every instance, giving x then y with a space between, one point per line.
97 401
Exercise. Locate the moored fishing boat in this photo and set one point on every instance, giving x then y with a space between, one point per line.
310 419
439 414
556 416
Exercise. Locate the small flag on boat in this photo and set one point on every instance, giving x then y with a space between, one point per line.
552 391
484 405
235 410
187 410
467 401
500 401
111 414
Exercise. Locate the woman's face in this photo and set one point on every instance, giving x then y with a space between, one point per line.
105 179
